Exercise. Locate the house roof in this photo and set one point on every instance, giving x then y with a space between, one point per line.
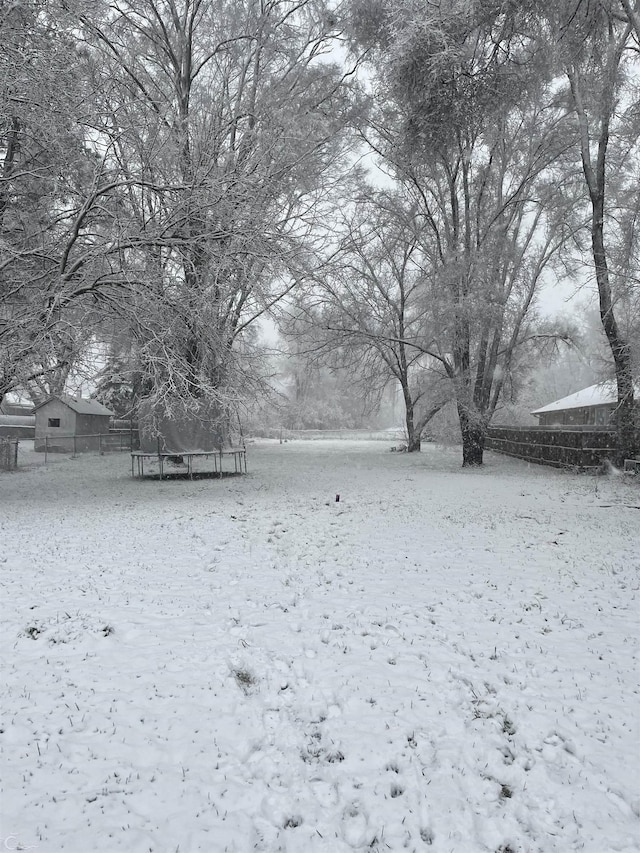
80 406
600 394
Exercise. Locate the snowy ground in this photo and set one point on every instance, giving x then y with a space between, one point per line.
444 660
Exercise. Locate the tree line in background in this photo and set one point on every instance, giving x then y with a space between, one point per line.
390 182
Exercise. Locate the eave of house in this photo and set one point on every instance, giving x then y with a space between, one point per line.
601 394
80 407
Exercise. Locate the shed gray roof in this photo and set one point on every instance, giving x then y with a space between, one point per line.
601 394
80 405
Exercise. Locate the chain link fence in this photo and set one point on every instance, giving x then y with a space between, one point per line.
109 442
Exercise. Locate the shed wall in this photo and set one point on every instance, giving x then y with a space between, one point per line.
63 438
53 409
92 424
585 416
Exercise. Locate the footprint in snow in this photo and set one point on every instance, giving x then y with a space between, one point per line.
326 793
355 827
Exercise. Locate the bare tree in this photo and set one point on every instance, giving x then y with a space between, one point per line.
42 165
370 311
166 163
59 255
470 132
631 9
219 123
596 54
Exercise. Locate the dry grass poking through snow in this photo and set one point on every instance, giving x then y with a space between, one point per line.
445 660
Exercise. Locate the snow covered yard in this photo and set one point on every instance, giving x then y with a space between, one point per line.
443 660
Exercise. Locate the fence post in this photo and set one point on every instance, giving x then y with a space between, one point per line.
582 459
100 443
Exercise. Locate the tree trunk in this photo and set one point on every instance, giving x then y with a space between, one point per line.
620 349
473 439
413 435
595 177
414 444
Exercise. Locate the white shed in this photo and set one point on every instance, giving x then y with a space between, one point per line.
69 424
